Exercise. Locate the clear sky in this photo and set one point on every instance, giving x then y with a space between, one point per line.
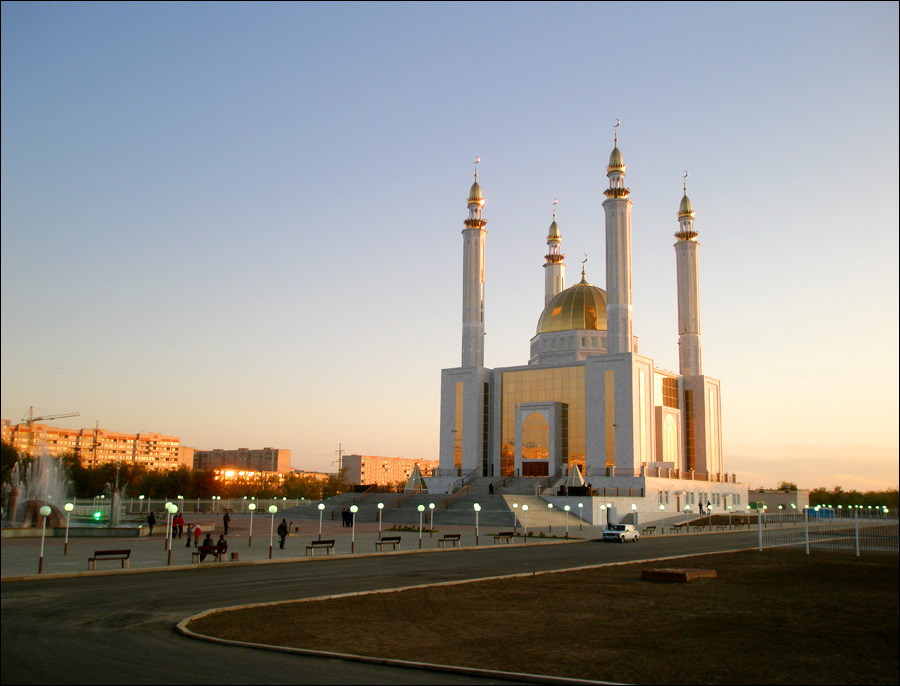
240 223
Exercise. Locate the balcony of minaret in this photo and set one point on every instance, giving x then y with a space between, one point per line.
553 259
617 192
475 223
686 235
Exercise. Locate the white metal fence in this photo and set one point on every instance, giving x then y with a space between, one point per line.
826 530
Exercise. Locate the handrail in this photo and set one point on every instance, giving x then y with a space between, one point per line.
447 502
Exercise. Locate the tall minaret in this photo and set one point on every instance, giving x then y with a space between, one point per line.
474 236
555 276
618 255
687 258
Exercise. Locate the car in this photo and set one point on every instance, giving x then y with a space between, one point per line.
621 533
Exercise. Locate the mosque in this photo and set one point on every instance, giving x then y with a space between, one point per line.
586 398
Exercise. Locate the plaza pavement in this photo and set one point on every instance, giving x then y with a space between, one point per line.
21 556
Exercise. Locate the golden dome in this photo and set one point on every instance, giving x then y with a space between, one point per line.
554 234
475 195
616 163
685 209
580 307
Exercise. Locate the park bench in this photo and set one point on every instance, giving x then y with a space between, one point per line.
721 527
122 555
678 527
648 530
504 536
327 545
213 550
392 540
449 538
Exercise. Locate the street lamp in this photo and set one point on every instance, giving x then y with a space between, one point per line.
380 508
421 509
251 507
243 502
431 520
68 508
687 513
515 518
729 516
140 504
525 522
172 509
662 509
634 515
321 509
550 517
567 508
580 515
353 510
602 512
477 510
272 511
45 512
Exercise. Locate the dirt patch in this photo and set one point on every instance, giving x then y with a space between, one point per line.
769 618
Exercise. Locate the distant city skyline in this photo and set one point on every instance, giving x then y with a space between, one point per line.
240 223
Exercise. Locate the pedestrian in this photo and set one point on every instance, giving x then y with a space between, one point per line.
491 488
345 517
226 520
282 532
207 544
151 521
222 545
179 522
190 535
197 533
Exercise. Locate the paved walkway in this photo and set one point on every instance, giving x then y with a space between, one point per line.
21 556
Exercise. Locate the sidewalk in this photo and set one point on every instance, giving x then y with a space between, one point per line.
21 556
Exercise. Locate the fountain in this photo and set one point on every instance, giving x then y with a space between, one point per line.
33 484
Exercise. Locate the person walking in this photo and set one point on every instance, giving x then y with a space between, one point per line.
197 533
282 532
226 520
151 521
179 522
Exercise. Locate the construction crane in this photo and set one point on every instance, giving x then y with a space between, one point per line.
31 419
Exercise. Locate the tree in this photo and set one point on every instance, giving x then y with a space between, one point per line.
8 458
787 486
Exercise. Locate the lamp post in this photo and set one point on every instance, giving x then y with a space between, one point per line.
168 526
69 507
477 510
602 513
353 510
272 511
550 517
45 512
566 508
172 508
431 520
580 515
140 504
634 515
380 509
251 507
421 509
662 509
729 516
525 522
687 513
243 502
321 507
515 518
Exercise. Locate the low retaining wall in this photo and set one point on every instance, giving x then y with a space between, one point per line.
75 532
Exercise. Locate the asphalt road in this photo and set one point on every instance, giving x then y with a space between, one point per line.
120 628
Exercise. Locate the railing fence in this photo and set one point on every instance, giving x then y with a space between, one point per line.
830 531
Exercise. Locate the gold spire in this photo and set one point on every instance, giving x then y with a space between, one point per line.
616 163
686 230
475 196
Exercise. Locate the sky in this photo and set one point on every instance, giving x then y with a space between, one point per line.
239 223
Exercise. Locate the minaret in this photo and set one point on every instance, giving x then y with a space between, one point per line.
555 274
687 268
618 255
474 236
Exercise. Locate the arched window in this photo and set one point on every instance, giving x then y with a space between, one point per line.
535 437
